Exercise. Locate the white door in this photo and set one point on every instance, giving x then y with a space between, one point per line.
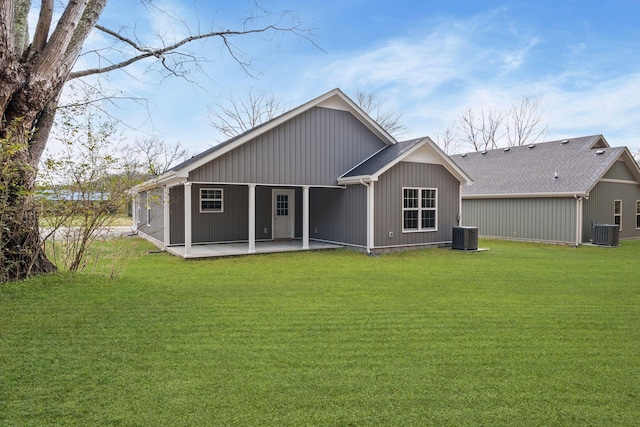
283 214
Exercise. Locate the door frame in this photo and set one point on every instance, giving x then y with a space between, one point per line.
292 212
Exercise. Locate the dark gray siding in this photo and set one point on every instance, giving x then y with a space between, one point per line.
231 224
388 201
599 207
536 219
339 215
314 148
176 215
153 199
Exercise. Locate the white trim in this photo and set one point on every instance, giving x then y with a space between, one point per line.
524 195
328 99
579 219
148 209
291 214
252 219
208 211
187 219
305 217
262 184
615 214
619 181
419 208
371 216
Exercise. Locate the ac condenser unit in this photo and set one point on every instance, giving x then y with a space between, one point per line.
465 238
606 234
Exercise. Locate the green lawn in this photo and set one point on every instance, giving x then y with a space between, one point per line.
523 334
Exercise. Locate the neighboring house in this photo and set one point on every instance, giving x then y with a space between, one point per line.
553 191
322 172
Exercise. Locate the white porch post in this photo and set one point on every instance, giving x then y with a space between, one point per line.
371 222
187 219
165 212
252 218
305 217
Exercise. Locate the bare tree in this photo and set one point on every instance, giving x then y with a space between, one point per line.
156 156
33 74
242 114
389 120
524 122
488 128
447 140
470 128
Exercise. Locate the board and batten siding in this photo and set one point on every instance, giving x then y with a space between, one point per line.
154 229
231 225
619 171
599 207
314 148
339 215
535 219
388 215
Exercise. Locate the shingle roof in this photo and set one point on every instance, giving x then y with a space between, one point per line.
382 158
578 164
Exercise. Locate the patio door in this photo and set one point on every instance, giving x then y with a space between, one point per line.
283 214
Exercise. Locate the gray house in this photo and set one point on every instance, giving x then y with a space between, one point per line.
553 191
323 173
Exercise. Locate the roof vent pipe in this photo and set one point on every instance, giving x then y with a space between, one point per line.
532 146
564 141
555 175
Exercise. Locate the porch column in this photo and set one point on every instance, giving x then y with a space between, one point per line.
305 217
371 216
252 218
187 219
165 212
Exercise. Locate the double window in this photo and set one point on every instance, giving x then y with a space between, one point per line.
617 213
419 209
211 200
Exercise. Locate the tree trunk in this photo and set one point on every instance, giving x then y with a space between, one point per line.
31 79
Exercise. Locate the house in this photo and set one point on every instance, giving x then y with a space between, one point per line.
322 173
552 192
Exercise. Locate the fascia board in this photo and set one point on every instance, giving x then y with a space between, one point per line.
525 195
356 179
353 108
627 158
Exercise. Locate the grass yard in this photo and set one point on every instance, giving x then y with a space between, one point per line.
523 334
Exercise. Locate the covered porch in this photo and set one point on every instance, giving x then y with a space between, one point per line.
215 250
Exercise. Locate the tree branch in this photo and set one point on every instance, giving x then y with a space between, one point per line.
159 52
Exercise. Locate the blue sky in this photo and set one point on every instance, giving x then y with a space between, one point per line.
430 60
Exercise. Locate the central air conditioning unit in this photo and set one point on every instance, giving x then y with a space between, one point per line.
606 234
465 238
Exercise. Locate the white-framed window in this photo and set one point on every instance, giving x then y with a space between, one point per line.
419 209
148 208
617 213
211 200
637 213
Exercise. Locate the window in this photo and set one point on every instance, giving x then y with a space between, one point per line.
617 213
148 209
637 213
419 209
282 205
210 200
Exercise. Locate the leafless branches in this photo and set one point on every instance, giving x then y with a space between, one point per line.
389 120
489 128
239 115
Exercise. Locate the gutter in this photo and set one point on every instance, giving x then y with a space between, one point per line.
370 217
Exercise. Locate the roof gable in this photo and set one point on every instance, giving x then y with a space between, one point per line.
420 150
556 168
335 99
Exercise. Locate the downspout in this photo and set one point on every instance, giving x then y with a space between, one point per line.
579 211
368 215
